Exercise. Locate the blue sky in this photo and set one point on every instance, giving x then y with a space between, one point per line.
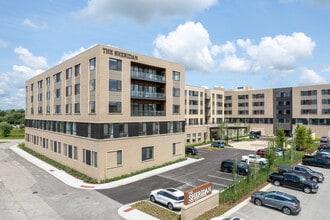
228 43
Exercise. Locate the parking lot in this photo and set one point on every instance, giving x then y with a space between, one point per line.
205 170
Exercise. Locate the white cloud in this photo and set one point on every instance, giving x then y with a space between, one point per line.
281 52
143 10
234 64
228 48
12 83
31 61
27 22
310 77
189 44
70 54
326 69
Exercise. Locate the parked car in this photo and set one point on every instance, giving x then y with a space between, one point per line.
285 202
321 159
324 147
218 144
307 172
191 150
170 197
292 180
252 158
229 165
262 152
255 134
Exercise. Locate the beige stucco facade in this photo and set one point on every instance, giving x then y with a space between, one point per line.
107 112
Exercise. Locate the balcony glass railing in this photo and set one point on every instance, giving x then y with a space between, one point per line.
148 76
147 95
148 113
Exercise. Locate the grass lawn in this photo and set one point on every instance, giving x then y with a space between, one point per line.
15 133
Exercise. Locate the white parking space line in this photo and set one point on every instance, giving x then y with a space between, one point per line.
219 177
218 184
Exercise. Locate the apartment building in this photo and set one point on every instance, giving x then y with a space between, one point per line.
266 110
106 112
204 110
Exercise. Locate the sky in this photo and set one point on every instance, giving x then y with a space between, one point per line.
222 43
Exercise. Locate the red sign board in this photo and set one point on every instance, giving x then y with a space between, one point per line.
197 193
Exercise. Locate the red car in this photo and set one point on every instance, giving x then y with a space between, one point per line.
260 152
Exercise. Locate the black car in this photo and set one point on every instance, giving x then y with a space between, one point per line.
191 150
229 165
318 160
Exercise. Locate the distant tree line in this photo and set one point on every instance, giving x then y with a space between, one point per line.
13 117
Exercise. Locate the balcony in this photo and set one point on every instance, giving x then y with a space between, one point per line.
147 95
152 77
147 113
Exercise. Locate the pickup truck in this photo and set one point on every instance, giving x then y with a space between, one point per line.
252 158
293 180
307 172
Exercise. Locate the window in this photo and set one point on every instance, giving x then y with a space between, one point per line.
176 109
39 84
174 149
77 70
142 128
92 107
57 77
90 157
176 92
308 93
92 85
77 89
123 130
57 93
114 107
119 158
92 64
68 90
48 95
76 107
68 73
48 81
57 109
108 131
114 64
155 128
70 151
68 108
176 76
147 153
39 97
114 85
75 153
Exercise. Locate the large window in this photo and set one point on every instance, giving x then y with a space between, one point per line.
114 64
92 64
92 107
57 77
76 107
68 90
68 73
92 85
119 158
176 92
114 107
176 75
176 109
77 89
68 108
90 157
147 153
77 70
114 85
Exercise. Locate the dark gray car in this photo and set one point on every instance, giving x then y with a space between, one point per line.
287 203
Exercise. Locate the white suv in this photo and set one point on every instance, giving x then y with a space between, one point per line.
170 197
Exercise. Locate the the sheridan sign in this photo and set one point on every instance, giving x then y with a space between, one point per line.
119 54
197 193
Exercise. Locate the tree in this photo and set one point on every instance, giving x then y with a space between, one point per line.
300 137
280 140
5 129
